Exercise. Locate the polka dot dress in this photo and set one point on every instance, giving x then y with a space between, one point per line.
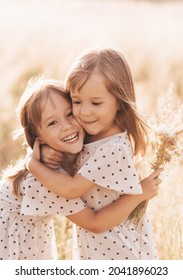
26 223
109 163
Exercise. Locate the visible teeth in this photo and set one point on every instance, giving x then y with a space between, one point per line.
70 138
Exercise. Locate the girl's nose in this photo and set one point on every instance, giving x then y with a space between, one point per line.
85 111
66 125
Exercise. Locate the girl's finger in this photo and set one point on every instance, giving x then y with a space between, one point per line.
58 157
36 149
55 167
52 162
157 181
36 144
156 173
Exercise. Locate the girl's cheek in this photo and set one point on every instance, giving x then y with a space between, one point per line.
75 122
75 109
76 114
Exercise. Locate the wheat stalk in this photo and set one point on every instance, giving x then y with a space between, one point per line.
166 144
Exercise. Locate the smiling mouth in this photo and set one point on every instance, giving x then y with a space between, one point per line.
88 122
71 138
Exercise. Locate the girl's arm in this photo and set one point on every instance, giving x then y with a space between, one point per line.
118 211
51 157
64 185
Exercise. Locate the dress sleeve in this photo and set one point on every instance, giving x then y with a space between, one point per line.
112 167
39 201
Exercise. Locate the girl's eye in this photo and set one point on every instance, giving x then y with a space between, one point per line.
96 103
76 102
52 123
70 115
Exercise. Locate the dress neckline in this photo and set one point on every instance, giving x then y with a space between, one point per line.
106 139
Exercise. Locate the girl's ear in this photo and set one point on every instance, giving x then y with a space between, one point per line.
118 105
40 140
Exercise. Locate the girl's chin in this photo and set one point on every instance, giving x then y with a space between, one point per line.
74 151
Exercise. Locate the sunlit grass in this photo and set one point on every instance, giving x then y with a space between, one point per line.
63 232
167 215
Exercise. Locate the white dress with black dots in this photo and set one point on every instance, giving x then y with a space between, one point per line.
26 223
109 163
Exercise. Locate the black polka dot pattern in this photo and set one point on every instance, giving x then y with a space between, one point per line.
109 163
111 167
26 223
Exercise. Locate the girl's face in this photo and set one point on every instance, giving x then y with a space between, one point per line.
95 108
58 127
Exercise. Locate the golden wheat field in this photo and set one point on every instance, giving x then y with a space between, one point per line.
45 36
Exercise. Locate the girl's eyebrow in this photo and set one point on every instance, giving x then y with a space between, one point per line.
98 98
47 119
76 94
93 97
53 116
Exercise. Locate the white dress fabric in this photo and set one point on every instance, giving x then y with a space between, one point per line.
109 163
26 222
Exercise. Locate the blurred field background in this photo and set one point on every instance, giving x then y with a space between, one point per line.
44 36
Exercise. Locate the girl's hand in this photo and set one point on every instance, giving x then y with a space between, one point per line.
34 155
150 184
51 157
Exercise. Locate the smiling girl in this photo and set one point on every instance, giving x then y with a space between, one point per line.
103 98
27 207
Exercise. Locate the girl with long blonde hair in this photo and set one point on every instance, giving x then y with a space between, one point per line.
27 207
101 87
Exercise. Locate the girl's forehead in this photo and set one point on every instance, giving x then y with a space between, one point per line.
55 98
95 78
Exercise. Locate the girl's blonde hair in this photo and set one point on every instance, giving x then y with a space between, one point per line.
113 66
29 109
